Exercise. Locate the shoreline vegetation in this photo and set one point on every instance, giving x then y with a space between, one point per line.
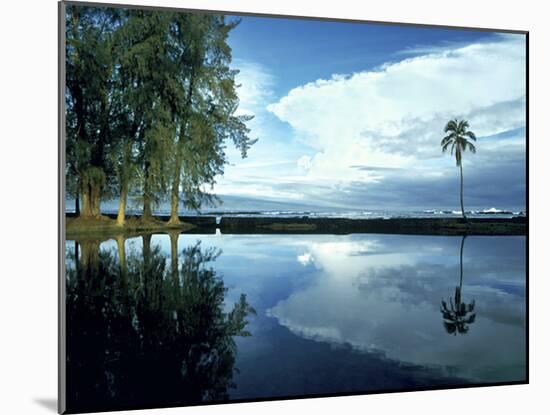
107 226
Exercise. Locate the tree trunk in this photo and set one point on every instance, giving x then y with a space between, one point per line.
76 257
174 254
89 259
462 191
86 202
91 197
146 240
77 203
121 216
147 275
147 212
122 257
174 217
95 199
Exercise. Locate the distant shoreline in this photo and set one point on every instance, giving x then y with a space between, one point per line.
306 225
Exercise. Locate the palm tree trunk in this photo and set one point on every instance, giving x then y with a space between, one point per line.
461 256
462 191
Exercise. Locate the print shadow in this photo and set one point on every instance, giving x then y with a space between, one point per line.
49 403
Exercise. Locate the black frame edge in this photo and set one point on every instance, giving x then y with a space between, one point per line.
527 276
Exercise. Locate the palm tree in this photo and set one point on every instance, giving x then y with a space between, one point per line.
457 316
457 139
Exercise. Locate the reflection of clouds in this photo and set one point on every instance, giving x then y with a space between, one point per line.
305 259
343 258
389 302
382 293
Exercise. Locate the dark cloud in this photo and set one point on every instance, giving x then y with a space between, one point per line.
493 177
372 168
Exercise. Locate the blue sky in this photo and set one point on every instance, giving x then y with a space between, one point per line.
350 115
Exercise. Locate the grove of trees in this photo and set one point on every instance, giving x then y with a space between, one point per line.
151 103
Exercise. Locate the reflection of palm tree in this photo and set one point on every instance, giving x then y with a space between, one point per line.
155 337
457 316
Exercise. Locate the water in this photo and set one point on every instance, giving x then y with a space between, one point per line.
274 209
321 314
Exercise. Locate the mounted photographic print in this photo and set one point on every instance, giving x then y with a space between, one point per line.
260 207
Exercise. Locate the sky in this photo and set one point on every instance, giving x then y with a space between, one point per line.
351 115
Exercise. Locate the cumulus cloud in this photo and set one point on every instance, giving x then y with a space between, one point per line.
393 116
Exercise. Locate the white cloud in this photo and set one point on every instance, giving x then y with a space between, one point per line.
304 162
255 89
392 116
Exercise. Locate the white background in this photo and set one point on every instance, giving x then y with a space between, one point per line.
28 203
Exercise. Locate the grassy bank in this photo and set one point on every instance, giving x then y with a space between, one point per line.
105 225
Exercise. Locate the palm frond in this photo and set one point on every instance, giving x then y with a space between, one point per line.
451 126
449 327
457 138
463 125
446 139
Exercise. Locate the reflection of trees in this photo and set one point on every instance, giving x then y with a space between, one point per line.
142 333
457 316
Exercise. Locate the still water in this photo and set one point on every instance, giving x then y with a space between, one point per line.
164 320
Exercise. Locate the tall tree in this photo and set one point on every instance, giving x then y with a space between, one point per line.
126 125
147 73
457 140
207 115
88 101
